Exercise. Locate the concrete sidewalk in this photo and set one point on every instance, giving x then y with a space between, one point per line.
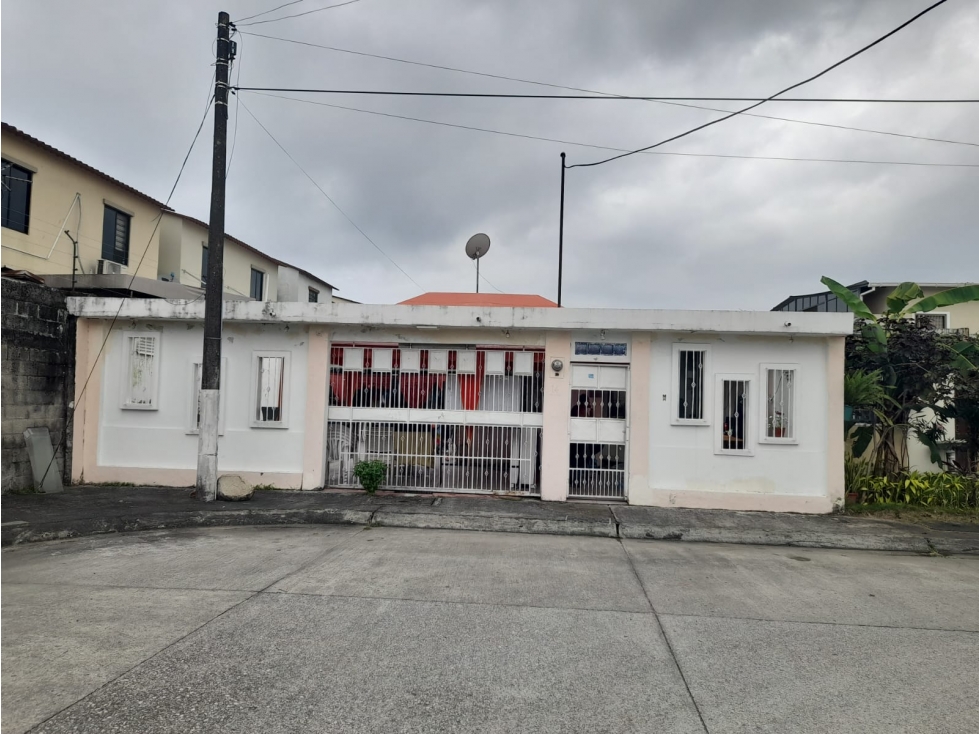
82 511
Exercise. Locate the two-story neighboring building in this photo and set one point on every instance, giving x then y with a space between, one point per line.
62 216
248 272
78 227
962 318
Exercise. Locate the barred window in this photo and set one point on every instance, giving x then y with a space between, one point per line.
780 419
733 415
691 370
271 390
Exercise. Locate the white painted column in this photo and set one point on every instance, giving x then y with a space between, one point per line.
555 439
640 413
835 438
317 401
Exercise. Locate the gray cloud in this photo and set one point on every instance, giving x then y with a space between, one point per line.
122 86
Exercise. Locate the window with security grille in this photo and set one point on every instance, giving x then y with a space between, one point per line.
933 321
17 183
690 370
314 295
780 419
733 417
115 235
141 378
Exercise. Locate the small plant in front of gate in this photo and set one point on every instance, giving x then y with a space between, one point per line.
371 474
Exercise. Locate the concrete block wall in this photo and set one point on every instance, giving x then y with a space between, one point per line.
38 375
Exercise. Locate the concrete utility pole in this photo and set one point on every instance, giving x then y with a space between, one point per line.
210 394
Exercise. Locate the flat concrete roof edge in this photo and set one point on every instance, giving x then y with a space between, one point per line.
471 317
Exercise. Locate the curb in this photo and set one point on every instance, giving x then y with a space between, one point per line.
18 533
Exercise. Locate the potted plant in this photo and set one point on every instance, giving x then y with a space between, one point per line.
371 474
778 426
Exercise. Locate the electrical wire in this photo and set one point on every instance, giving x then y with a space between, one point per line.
234 138
298 15
126 296
593 91
825 71
485 279
619 98
266 12
329 198
610 148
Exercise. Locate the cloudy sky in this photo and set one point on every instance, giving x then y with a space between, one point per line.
122 86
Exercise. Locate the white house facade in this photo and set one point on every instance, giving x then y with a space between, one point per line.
706 409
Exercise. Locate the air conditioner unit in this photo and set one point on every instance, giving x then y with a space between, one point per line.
107 267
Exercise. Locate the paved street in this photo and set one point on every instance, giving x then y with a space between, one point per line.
347 629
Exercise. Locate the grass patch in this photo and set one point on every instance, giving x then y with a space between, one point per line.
900 511
113 484
265 488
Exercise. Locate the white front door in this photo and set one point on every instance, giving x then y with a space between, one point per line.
598 430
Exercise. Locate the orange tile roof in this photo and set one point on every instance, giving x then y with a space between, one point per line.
508 300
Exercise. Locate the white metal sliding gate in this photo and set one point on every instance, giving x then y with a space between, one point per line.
597 461
441 419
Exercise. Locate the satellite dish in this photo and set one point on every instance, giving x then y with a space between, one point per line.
477 246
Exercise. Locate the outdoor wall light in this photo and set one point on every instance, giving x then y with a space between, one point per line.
557 365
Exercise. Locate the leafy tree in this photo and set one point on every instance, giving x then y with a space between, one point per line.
918 368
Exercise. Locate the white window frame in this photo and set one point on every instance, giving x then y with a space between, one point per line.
283 422
192 427
719 380
675 385
125 383
763 436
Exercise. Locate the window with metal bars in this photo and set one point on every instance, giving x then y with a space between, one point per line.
16 184
733 394
141 377
691 370
271 389
608 404
115 235
779 422
494 380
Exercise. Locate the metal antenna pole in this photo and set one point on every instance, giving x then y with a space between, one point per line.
477 275
210 392
560 237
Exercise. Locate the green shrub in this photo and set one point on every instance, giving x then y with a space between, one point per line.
371 474
917 488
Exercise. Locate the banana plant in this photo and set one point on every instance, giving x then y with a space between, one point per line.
899 305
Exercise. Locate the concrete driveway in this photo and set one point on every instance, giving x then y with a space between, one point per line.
346 629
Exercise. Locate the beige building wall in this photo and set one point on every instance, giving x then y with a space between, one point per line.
56 182
962 315
181 247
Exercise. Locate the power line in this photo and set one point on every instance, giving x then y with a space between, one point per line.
593 91
234 138
610 148
329 198
129 288
606 98
296 15
772 97
266 12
